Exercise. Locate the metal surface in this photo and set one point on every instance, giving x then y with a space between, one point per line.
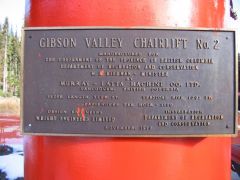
129 82
61 158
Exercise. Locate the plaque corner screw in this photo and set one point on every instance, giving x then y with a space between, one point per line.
30 37
226 38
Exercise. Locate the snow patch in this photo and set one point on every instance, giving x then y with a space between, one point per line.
13 164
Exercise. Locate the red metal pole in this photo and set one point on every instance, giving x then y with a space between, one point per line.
61 158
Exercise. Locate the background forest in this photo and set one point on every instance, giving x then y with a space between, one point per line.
10 55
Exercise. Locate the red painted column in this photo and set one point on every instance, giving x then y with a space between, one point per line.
70 158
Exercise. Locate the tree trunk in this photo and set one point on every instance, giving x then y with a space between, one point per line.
5 66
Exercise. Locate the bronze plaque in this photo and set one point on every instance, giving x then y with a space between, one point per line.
129 82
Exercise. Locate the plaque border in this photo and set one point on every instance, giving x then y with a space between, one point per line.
235 64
